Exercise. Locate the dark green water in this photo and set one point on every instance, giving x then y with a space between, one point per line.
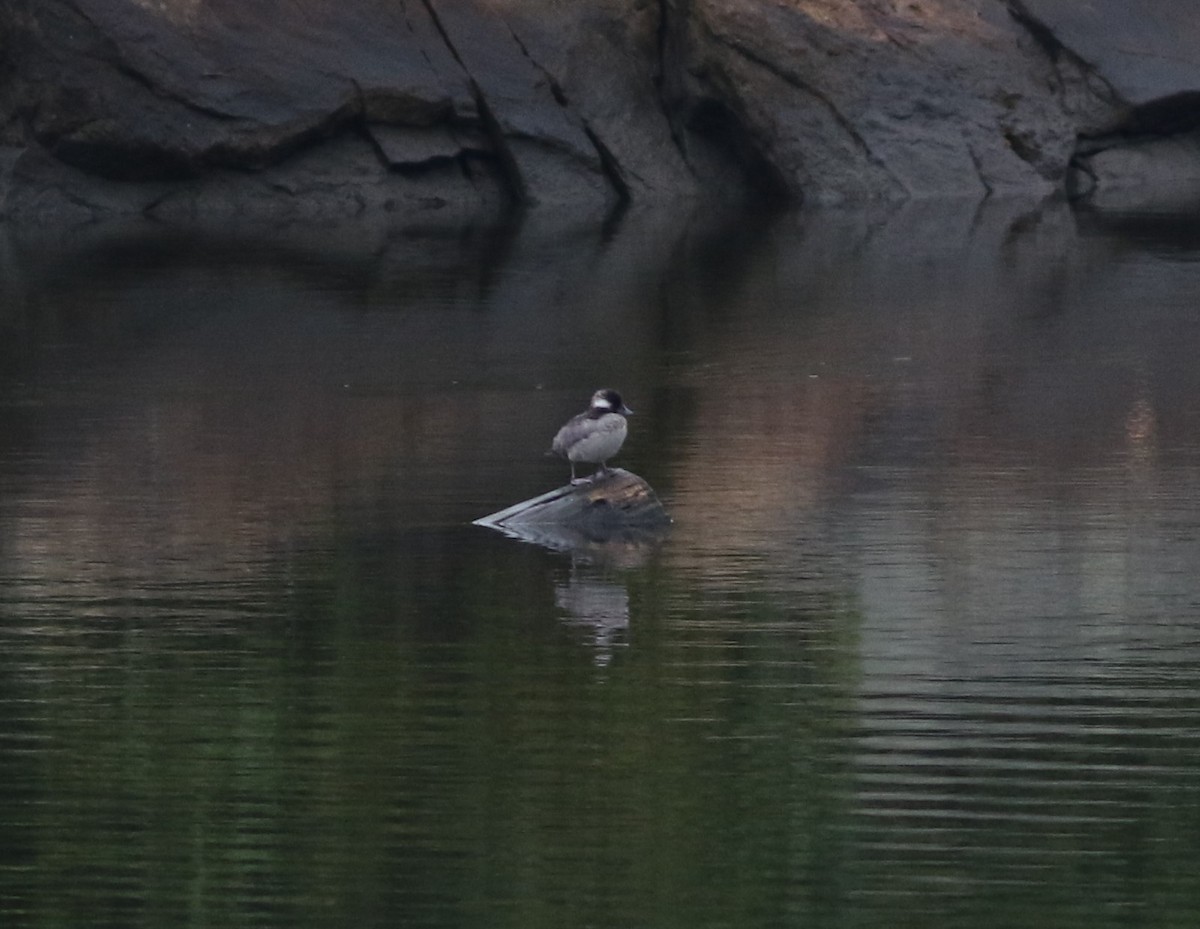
922 647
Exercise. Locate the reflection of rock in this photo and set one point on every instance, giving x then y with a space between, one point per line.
599 606
618 546
851 355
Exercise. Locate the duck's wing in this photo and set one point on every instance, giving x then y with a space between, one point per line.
598 440
569 434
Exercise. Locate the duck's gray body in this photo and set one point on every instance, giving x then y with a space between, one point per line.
595 436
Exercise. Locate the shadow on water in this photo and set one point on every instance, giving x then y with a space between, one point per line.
921 646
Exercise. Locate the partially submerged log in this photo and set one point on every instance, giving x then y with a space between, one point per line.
617 506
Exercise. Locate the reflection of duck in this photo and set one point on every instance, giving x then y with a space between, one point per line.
595 436
599 606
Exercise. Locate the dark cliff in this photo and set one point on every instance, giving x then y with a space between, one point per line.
316 108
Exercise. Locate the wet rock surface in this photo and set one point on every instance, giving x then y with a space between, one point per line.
187 109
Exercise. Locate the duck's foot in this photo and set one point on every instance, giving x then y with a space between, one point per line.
576 481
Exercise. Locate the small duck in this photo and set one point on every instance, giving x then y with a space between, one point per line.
595 436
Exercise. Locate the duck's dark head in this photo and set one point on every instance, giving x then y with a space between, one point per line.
608 401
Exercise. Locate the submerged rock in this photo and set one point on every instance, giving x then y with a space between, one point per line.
615 518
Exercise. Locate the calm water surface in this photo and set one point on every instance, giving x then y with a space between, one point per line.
922 647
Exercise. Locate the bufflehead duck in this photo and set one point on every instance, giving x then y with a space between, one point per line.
595 436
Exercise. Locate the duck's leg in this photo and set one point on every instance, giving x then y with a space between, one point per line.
576 480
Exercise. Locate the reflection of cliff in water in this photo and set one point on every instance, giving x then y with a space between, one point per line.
191 399
929 381
931 348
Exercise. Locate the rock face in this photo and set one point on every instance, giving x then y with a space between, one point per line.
1136 69
207 109
847 101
